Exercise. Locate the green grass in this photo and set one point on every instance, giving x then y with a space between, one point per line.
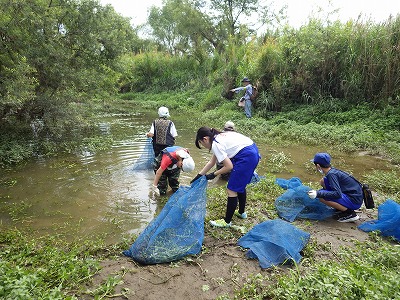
50 268
370 270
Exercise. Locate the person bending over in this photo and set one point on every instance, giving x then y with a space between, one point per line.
238 155
167 168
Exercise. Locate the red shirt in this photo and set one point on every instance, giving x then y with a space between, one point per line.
166 161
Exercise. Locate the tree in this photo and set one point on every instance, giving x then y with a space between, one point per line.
54 52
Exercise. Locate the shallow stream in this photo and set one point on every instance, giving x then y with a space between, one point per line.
91 194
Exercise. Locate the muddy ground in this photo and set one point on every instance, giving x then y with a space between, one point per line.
221 268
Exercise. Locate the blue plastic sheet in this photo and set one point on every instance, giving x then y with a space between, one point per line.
274 242
388 222
295 203
145 161
177 231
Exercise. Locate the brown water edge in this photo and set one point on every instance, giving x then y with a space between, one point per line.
92 194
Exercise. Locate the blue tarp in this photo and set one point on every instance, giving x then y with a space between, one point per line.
177 231
388 222
274 242
145 161
295 203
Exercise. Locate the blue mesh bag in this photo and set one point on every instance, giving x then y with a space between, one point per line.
388 222
145 161
295 203
288 183
177 231
256 178
274 242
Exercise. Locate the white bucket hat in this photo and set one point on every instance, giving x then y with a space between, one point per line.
163 112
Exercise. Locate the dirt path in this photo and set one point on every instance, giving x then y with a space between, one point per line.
221 268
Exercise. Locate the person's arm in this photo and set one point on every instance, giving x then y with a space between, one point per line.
238 89
173 130
209 165
151 132
157 176
227 166
334 193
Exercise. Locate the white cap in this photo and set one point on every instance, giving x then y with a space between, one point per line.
188 164
163 112
229 125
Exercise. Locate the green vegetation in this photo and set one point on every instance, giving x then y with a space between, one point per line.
367 271
63 62
51 268
72 60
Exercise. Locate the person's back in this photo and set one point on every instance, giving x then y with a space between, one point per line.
162 131
348 185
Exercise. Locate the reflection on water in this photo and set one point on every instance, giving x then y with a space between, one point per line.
99 193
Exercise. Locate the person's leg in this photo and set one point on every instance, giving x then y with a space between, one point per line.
242 202
230 208
163 184
247 108
333 204
346 208
173 179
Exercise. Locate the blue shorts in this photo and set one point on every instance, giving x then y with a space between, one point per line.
244 164
344 200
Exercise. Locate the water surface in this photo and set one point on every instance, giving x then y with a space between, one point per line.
88 194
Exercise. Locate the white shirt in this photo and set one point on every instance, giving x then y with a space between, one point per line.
228 144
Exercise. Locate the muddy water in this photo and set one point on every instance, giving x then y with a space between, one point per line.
91 194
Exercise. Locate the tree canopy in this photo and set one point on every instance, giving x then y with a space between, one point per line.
53 52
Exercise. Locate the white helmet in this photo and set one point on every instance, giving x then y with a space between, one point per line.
163 112
188 164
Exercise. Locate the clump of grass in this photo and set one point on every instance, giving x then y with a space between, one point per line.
278 162
46 267
386 182
367 271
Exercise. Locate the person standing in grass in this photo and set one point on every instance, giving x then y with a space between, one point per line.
162 131
248 88
339 190
238 155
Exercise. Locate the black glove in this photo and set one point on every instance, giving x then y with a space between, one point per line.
194 179
210 176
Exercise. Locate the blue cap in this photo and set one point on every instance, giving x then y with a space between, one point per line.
322 158
245 79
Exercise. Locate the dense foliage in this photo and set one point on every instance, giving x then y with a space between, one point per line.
54 54
58 56
61 60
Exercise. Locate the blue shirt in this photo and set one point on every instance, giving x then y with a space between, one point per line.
341 182
247 93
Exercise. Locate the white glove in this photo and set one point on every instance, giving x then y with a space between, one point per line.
312 194
155 190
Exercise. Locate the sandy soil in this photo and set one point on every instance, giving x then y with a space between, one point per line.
222 266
